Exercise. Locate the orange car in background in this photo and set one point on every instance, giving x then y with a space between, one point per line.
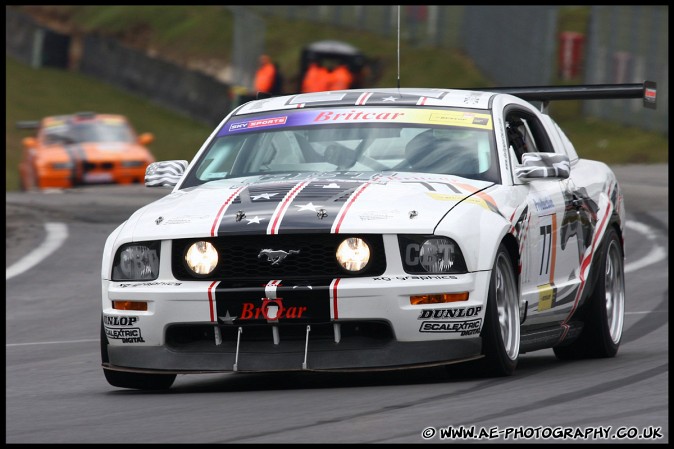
83 148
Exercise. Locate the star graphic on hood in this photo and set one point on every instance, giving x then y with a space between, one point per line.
254 220
228 319
266 196
389 99
309 206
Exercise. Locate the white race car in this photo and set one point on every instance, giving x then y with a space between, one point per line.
371 229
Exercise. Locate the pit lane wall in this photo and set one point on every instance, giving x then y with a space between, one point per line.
198 95
190 92
33 44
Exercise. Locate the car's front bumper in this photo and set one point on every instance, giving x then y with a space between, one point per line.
365 323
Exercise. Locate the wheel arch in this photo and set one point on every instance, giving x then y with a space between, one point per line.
512 246
594 271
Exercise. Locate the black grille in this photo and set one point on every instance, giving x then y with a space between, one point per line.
238 257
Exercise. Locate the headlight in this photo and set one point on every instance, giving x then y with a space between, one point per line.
431 255
136 262
437 255
353 254
201 258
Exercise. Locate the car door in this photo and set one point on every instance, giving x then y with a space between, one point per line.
550 259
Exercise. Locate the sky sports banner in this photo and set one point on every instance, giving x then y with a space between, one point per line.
369 115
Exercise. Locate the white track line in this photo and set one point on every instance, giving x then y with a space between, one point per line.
56 235
51 342
656 254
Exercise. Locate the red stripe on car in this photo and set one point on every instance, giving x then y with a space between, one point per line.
333 289
343 211
210 299
584 264
281 209
223 208
363 98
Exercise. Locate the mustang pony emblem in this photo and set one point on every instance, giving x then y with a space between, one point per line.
276 256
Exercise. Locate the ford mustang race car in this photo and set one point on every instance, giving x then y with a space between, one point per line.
371 229
83 148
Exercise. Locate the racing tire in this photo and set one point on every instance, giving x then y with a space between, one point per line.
603 314
501 330
136 381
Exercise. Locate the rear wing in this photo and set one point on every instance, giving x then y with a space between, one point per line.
646 90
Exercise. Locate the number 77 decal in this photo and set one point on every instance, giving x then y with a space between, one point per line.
546 273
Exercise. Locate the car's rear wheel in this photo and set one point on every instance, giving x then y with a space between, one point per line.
501 331
603 314
137 381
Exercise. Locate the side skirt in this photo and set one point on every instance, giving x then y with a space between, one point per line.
548 337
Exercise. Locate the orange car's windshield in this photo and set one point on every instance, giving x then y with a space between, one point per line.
89 132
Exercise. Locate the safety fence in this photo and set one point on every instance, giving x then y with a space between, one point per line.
521 45
629 44
189 92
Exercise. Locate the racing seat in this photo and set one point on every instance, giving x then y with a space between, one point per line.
430 154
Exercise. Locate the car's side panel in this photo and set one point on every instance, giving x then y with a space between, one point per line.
480 222
598 193
550 274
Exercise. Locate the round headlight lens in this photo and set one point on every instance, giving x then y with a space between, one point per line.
201 258
437 255
137 262
353 254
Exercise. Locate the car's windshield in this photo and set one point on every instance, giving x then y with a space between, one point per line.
103 130
446 141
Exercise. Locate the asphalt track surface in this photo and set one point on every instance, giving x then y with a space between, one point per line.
56 392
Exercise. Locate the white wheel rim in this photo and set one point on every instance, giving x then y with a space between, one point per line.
507 305
614 291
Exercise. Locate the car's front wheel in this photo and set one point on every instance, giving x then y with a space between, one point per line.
501 330
136 381
603 314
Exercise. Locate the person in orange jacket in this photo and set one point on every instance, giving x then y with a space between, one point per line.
340 78
267 76
316 78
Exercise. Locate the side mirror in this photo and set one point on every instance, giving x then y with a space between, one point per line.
165 173
146 138
29 142
543 166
